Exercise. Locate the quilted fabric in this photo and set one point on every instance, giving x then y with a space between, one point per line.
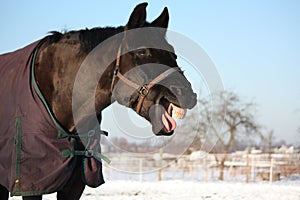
31 161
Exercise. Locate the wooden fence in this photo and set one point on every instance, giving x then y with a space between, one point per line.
246 167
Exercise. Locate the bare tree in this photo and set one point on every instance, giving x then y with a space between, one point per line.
224 120
271 141
268 142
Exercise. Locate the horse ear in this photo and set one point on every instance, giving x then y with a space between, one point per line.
138 17
163 20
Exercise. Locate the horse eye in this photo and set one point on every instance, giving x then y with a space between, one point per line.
141 52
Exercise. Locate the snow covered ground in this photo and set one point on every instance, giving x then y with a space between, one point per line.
167 190
191 190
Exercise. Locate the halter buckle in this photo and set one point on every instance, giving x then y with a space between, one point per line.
116 71
144 90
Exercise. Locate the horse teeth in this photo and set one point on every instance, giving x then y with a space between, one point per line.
178 112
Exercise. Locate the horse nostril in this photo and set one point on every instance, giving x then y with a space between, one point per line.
176 91
179 91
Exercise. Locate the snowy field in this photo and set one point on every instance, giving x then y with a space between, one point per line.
190 190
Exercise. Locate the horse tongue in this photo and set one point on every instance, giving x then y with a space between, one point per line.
168 121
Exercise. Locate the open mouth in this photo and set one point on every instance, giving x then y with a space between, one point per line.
169 123
162 116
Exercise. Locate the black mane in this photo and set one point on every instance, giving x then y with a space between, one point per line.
89 38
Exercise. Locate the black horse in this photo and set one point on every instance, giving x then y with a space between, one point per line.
155 91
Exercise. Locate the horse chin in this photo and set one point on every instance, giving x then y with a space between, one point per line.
161 117
164 133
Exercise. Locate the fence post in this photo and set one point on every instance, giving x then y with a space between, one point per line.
141 169
271 170
252 169
205 169
160 164
212 172
247 166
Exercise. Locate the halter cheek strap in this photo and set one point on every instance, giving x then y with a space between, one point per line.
143 90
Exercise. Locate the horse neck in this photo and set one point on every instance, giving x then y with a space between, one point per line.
57 68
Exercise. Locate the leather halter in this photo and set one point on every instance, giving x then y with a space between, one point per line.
143 90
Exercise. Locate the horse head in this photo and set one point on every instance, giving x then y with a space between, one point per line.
132 64
147 77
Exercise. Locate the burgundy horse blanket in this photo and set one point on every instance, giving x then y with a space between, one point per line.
33 159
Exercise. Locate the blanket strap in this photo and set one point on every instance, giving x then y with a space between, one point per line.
86 152
66 153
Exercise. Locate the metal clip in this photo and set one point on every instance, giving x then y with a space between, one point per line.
91 133
144 90
116 72
89 153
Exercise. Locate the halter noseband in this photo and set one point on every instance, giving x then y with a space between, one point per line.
143 90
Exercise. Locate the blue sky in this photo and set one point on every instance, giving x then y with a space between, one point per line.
254 44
